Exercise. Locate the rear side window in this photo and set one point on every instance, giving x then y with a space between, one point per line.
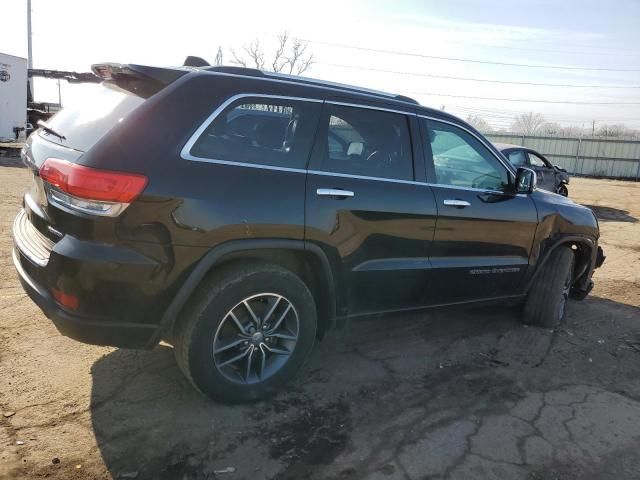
274 132
86 122
366 142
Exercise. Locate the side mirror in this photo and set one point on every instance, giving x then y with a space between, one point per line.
525 180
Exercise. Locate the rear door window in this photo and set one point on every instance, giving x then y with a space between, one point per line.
275 132
365 142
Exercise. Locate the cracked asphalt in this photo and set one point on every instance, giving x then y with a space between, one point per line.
457 394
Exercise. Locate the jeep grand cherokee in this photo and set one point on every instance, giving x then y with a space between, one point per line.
239 214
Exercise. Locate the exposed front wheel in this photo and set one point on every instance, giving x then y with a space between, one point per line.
546 303
249 330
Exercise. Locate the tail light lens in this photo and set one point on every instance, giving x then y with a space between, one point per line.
91 190
65 299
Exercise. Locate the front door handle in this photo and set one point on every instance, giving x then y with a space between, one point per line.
334 192
457 203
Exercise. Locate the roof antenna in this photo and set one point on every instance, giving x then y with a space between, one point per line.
192 61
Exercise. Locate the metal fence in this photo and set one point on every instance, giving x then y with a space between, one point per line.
593 157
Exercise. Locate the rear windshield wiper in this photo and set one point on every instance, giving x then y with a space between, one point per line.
43 125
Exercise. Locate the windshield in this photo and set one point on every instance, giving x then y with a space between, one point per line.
86 121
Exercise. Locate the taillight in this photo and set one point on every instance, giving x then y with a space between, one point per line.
91 190
65 299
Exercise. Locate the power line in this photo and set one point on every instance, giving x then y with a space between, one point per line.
469 60
505 111
471 79
521 99
630 53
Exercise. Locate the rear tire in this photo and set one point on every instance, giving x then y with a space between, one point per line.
272 337
546 302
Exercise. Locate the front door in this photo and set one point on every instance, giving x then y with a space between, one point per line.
544 171
483 233
365 209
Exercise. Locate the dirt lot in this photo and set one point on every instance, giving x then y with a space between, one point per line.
449 394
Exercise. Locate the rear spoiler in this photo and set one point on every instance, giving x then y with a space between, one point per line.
140 80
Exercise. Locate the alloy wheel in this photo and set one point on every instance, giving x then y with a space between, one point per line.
256 338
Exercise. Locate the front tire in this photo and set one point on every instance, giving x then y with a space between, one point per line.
563 190
546 303
247 331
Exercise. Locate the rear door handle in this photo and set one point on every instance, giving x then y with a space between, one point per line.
457 203
334 192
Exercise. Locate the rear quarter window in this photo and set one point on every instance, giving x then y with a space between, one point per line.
92 116
274 132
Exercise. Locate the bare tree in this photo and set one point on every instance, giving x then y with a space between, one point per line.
550 128
528 123
291 56
617 130
254 56
574 131
479 123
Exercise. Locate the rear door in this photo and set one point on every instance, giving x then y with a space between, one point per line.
483 234
365 208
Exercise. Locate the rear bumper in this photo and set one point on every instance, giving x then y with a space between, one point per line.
84 329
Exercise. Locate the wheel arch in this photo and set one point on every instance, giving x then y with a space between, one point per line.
306 260
584 248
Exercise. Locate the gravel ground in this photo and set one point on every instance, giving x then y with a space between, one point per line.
460 394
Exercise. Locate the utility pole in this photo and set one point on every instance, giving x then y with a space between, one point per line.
593 128
30 59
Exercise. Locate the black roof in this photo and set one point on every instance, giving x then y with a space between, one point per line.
401 100
253 72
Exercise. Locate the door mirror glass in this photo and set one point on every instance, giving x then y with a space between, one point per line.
525 180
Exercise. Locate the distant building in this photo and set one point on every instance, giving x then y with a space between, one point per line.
13 97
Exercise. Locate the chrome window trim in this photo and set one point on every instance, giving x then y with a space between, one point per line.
242 164
185 153
364 177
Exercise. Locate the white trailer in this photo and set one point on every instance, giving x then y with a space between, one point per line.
13 96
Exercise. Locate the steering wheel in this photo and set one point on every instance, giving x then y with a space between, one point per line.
385 159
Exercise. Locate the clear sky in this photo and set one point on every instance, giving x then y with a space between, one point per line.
598 41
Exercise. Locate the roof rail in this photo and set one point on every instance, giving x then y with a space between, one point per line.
253 72
404 98
249 72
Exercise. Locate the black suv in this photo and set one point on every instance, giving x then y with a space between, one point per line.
239 214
